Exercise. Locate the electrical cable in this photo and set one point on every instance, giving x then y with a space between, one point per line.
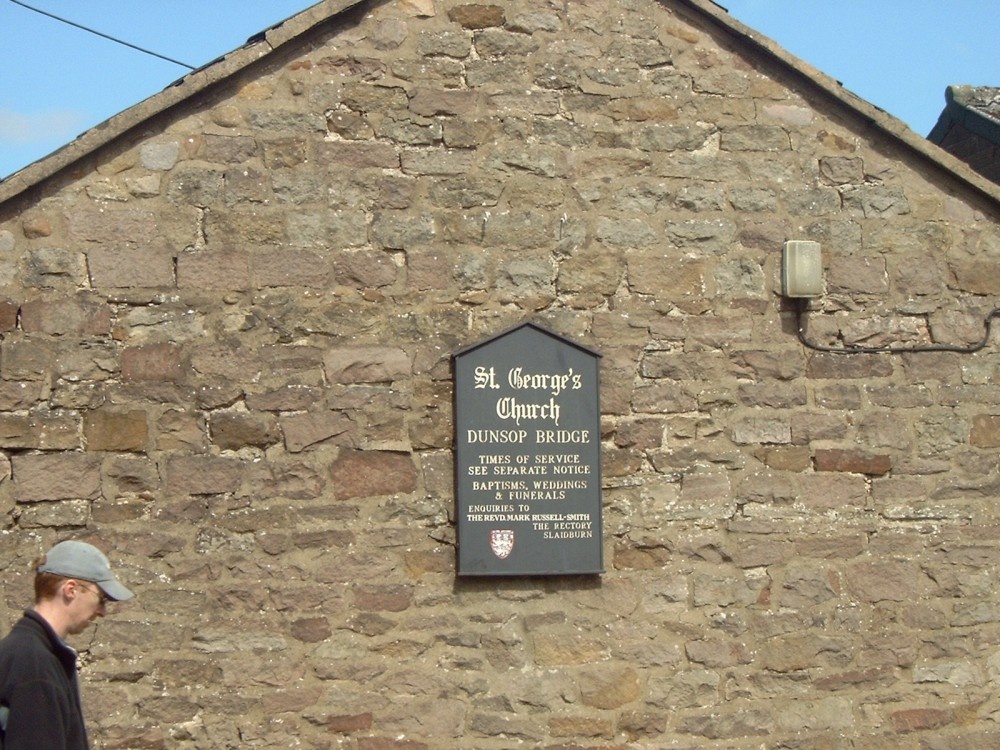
800 309
105 36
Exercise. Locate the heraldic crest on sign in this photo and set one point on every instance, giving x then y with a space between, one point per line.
502 542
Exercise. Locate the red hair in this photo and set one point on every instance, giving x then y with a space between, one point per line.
46 584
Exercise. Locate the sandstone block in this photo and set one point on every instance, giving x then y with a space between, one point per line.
805 587
59 514
383 598
723 590
286 398
238 228
202 475
842 170
179 672
885 581
195 185
852 274
55 268
307 429
57 432
366 364
228 149
291 700
474 16
35 225
291 267
437 163
663 399
437 103
223 271
755 138
106 430
977 276
682 283
717 653
311 629
337 229
807 427
827 715
761 430
359 155
152 362
985 431
234 430
367 269
358 473
874 201
62 476
610 687
855 462
805 651
369 98
552 649
77 316
786 458
347 724
118 510
394 230
117 267
639 556
824 365
159 156
768 365
723 725
580 726
916 719
168 709
685 689
699 367
8 316
454 44
780 396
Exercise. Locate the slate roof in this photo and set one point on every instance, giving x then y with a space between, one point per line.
283 37
969 128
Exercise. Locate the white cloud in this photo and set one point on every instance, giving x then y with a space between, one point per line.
57 125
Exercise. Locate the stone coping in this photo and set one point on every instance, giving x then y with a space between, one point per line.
288 31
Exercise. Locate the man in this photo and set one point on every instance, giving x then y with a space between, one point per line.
39 692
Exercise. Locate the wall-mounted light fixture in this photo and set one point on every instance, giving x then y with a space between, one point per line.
802 279
802 269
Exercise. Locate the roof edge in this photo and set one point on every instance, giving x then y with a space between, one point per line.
256 48
958 110
289 30
877 118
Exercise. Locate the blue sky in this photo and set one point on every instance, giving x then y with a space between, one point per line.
900 55
58 81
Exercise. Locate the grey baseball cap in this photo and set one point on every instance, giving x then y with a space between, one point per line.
73 559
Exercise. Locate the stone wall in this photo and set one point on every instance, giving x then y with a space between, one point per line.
225 359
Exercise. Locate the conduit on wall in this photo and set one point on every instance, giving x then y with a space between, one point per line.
802 280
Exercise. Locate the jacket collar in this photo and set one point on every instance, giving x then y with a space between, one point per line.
59 647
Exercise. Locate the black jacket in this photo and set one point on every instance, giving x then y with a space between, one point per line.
38 683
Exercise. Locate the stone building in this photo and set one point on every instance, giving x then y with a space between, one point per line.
228 317
969 128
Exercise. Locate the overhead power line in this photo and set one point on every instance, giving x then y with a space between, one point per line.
105 36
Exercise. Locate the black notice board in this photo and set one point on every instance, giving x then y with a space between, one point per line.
527 456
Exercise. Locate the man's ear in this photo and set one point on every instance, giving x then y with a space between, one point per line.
70 589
